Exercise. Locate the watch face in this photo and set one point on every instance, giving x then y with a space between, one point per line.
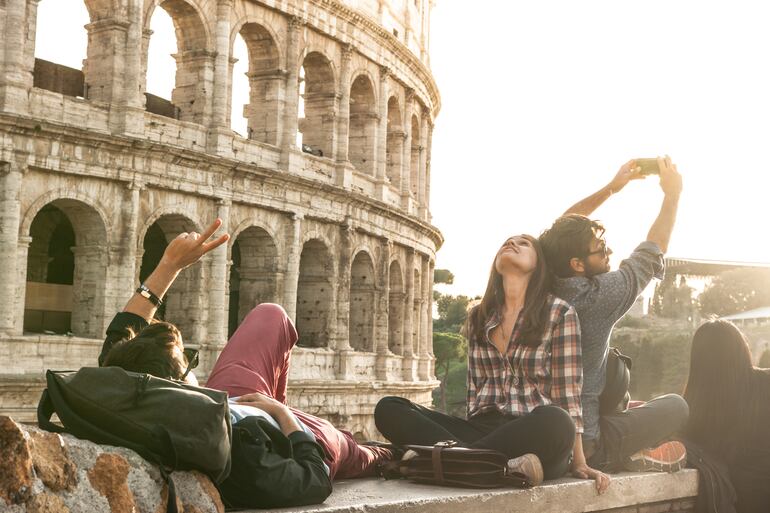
145 294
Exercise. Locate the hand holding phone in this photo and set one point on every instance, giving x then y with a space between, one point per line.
647 167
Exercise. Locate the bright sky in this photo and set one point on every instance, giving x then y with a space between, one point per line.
543 101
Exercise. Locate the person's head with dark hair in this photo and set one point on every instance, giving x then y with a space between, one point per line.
719 386
574 246
521 255
156 350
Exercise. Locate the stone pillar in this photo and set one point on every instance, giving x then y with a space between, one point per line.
104 65
382 133
421 201
406 159
426 322
10 216
410 360
288 140
343 173
217 291
345 353
194 80
21 282
125 255
294 252
382 307
427 172
129 114
222 65
18 36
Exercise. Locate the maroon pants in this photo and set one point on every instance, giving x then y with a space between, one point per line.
256 359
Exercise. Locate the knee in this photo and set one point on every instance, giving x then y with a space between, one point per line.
387 410
556 423
676 409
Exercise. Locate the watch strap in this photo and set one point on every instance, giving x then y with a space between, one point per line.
149 295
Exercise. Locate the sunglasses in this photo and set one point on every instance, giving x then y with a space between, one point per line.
191 355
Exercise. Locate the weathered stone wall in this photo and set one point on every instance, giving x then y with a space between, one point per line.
341 238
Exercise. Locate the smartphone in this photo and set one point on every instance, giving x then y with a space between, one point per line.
647 166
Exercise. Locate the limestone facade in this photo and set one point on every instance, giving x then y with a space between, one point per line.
96 177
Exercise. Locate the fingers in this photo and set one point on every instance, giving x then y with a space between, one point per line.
210 230
208 246
602 482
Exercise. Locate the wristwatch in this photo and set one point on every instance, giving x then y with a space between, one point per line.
148 295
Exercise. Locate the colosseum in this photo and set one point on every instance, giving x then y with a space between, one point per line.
326 199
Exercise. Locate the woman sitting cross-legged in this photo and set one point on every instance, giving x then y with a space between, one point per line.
524 376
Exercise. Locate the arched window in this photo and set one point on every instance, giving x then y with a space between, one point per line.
314 294
396 310
66 270
194 63
265 84
362 302
395 143
317 99
363 125
59 67
252 274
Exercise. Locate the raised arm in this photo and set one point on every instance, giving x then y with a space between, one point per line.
586 206
182 252
671 183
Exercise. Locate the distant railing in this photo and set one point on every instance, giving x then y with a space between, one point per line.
161 106
59 79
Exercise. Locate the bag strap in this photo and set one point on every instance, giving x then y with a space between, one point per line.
45 411
438 469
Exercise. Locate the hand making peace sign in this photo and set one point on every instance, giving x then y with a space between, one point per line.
188 248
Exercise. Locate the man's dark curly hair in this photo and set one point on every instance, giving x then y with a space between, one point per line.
151 351
568 237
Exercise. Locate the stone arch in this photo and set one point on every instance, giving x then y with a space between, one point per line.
362 302
363 124
64 194
254 258
190 98
394 148
318 100
396 309
185 300
414 165
314 294
66 268
266 79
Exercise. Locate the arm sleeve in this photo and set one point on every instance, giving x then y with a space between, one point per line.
118 330
567 366
615 292
471 379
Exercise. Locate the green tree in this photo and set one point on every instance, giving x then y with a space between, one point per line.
449 349
673 300
452 312
443 276
736 291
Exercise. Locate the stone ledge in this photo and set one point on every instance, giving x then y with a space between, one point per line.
628 493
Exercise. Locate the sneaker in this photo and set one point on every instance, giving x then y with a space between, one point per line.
667 457
529 466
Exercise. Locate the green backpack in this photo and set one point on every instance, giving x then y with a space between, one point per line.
169 423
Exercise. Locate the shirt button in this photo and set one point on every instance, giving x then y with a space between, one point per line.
516 381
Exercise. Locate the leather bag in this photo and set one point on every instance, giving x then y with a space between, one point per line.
448 465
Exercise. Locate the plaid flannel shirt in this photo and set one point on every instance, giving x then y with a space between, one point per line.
527 377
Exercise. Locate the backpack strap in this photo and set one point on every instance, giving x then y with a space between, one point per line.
45 410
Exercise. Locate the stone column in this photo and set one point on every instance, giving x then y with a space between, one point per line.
382 305
124 255
426 322
406 159
294 252
10 216
18 35
194 81
427 172
222 65
421 201
21 282
288 140
410 361
343 173
217 289
382 133
129 116
345 352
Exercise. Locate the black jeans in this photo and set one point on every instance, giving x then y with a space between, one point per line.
627 432
548 431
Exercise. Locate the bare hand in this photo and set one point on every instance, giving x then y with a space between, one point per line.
670 179
188 248
627 172
583 471
263 402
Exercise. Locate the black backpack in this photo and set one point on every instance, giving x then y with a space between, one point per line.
172 424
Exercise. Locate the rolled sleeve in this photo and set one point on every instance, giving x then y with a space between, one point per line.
567 366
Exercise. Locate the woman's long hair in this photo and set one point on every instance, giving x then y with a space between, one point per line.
536 305
719 391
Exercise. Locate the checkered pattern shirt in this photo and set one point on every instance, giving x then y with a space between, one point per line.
527 377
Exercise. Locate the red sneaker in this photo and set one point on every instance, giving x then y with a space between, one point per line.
667 457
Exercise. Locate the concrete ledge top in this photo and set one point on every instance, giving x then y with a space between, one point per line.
563 496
